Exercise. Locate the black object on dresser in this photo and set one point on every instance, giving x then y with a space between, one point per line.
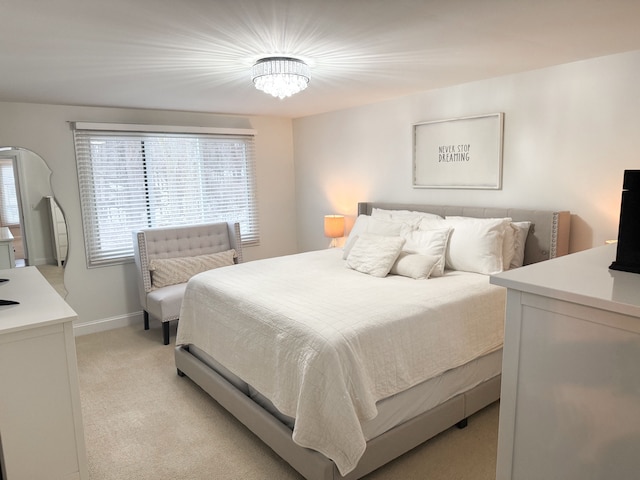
628 252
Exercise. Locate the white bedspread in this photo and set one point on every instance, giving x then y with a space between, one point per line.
324 343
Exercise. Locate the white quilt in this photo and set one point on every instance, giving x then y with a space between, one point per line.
324 343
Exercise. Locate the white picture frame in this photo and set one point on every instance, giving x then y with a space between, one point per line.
461 152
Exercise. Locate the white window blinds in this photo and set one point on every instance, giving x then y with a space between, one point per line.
130 180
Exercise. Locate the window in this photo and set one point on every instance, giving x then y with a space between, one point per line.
136 179
9 214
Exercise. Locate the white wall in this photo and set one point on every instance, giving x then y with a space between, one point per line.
109 293
570 132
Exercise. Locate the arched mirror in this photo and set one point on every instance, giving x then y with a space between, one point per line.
32 225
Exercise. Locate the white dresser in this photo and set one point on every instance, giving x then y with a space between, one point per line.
570 405
41 431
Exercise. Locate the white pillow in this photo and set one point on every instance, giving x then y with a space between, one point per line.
414 265
402 216
359 226
376 226
520 238
475 244
429 242
374 254
429 223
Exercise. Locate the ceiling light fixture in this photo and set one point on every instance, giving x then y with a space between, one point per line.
280 76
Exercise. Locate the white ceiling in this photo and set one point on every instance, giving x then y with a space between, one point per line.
196 55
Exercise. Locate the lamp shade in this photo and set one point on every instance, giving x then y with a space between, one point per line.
334 226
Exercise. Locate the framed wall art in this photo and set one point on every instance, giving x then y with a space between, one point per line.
459 153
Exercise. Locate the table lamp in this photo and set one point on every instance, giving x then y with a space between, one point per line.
333 228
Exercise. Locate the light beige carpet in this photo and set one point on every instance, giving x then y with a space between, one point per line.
142 421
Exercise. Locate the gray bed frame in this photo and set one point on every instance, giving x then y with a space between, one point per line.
548 238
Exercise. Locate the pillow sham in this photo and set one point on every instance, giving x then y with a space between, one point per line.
429 242
359 226
414 265
475 244
410 217
374 254
430 223
376 226
172 271
520 239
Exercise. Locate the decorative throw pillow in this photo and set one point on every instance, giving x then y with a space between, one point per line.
376 226
429 242
476 244
414 265
374 254
520 239
172 271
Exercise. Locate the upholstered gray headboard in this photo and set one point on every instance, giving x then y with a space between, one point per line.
548 235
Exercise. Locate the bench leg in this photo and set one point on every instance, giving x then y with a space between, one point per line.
165 332
146 319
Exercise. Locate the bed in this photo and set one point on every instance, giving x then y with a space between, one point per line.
331 361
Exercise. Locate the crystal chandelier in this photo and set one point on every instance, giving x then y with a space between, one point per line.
280 76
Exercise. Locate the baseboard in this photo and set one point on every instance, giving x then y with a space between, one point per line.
42 261
101 325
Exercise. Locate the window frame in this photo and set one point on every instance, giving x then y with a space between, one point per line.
209 143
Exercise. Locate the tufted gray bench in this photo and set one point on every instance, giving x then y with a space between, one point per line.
172 247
